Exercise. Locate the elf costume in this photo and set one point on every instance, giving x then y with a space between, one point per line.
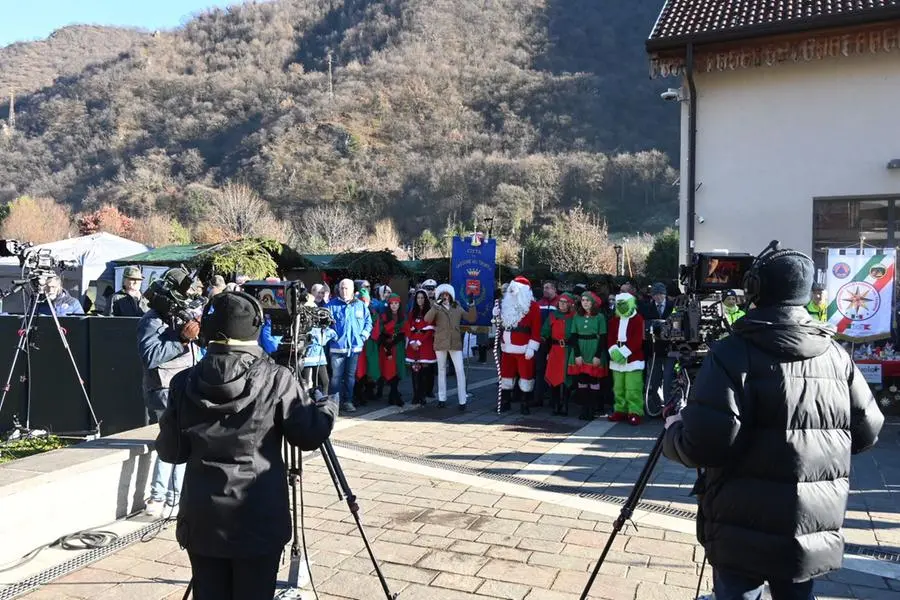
556 332
587 360
367 368
392 350
626 353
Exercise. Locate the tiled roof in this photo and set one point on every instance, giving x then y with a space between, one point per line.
681 21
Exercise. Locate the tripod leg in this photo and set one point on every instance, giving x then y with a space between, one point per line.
65 343
21 347
328 450
628 509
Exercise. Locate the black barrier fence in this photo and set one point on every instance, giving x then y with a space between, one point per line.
105 350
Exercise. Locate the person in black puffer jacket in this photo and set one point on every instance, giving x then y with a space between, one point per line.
226 418
776 412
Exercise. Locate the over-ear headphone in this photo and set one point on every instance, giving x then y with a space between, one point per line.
206 335
753 279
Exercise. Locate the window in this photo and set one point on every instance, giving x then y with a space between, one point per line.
842 222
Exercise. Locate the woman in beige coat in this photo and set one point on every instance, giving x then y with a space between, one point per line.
446 314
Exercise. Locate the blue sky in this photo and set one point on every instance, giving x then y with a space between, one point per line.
23 20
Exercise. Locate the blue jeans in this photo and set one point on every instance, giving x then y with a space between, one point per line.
343 376
733 586
167 480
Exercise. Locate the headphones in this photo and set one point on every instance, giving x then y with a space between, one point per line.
753 279
206 335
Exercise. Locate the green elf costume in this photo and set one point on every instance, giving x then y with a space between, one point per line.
587 360
626 353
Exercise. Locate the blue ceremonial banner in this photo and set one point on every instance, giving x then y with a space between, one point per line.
472 266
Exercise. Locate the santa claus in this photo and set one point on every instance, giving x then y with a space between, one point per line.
520 319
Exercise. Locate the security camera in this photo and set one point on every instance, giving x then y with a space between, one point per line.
700 219
671 95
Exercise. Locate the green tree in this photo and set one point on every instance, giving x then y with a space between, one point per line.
662 261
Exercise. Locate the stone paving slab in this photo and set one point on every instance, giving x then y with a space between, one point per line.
507 444
438 540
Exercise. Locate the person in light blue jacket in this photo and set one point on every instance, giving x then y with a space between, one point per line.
352 327
315 371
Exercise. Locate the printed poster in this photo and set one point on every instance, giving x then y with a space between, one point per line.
860 288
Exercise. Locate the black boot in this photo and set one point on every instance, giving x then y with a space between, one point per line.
394 395
370 390
379 392
505 400
527 399
358 390
586 396
482 354
556 399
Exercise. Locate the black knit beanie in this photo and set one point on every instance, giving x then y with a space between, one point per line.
785 279
232 316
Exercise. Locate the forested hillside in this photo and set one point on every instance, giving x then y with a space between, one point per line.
29 66
427 112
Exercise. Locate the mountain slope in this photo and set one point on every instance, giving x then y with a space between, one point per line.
29 66
434 112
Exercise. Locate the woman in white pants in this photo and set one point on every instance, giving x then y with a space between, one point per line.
446 314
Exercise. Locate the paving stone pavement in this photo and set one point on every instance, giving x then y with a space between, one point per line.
439 540
445 541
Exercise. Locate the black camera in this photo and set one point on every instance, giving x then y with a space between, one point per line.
285 304
38 264
171 299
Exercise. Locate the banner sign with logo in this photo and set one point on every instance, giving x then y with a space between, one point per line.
472 266
861 292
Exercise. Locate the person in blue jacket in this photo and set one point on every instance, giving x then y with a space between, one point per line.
352 327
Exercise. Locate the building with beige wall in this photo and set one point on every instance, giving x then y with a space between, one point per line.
796 108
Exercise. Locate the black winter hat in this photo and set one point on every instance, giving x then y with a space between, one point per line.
785 279
232 316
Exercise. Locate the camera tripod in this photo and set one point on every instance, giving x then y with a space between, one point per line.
680 390
27 332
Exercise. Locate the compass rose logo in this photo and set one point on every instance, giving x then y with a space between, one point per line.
858 300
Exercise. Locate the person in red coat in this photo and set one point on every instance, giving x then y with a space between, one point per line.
520 318
392 354
420 354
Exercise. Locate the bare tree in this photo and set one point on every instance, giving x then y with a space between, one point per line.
38 220
580 244
385 236
329 227
239 212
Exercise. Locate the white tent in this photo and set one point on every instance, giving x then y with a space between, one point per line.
90 252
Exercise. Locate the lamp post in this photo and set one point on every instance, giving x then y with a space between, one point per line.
620 263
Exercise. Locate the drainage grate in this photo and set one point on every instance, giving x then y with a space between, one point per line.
70 566
652 507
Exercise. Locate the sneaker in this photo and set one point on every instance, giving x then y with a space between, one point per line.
155 508
348 407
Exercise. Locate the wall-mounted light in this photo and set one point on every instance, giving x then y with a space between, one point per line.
894 163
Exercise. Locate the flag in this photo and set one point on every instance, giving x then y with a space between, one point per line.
861 292
472 266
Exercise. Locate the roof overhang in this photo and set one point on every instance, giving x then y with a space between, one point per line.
882 36
873 16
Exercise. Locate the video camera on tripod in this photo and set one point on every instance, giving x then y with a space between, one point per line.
38 265
698 318
285 304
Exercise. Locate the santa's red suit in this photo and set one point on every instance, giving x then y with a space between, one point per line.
520 320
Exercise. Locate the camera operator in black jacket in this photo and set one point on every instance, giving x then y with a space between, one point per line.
226 419
776 412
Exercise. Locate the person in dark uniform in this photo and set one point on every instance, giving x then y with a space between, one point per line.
128 302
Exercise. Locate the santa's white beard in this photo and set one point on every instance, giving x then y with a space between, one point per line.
516 302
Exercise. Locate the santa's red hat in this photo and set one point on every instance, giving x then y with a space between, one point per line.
522 280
